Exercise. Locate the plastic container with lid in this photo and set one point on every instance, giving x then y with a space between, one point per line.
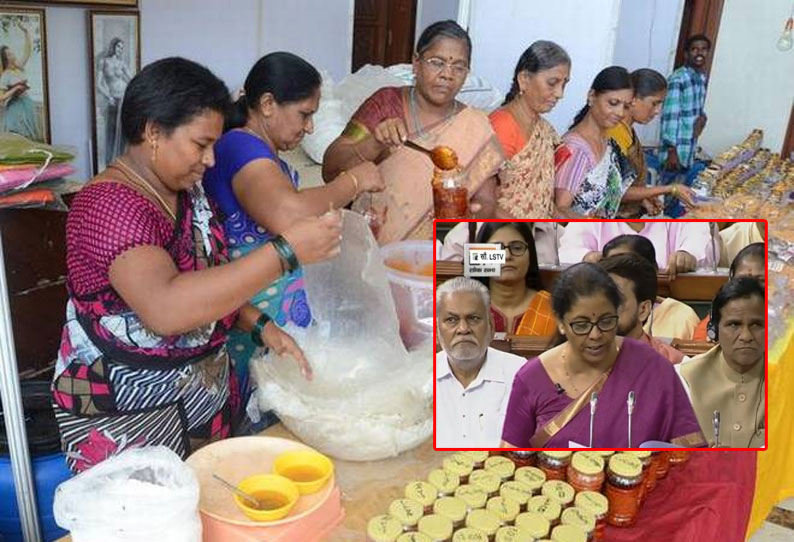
438 528
468 534
473 496
598 505
522 459
534 523
554 464
518 492
383 528
645 458
422 492
407 511
452 508
568 533
445 482
532 477
460 465
624 484
560 491
586 471
511 533
487 480
477 457
413 537
505 509
579 517
484 521
545 506
663 464
501 466
678 456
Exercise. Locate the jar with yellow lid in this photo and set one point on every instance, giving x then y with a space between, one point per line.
473 496
511 533
645 458
624 483
487 480
484 521
534 523
407 512
452 508
446 483
522 459
438 528
663 464
516 491
459 465
413 537
505 509
477 457
469 535
678 456
598 505
547 507
554 464
579 517
560 491
532 477
422 492
501 466
586 471
568 533
383 528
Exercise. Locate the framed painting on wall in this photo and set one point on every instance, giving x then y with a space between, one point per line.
115 59
24 103
106 3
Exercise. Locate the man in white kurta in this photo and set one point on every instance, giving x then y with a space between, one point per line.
473 381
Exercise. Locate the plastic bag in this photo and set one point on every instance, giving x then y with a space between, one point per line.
369 398
140 495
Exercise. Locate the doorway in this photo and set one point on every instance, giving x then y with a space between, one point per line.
699 17
383 32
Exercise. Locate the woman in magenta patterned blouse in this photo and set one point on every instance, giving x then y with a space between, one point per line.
152 296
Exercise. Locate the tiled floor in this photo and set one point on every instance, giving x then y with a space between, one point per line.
779 526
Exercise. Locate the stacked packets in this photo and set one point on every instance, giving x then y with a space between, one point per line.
23 165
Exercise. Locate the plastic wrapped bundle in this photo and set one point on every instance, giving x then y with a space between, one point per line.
370 398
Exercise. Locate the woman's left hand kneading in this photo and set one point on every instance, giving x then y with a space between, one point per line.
282 343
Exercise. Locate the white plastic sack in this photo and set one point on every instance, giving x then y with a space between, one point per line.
140 495
339 102
370 398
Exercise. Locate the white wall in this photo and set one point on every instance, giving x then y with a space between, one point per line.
430 11
752 83
647 37
501 31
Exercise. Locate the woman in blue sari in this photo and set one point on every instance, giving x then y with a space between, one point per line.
257 192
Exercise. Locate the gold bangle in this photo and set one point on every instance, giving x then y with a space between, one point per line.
674 192
355 181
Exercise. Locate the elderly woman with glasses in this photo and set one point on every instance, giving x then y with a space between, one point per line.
427 113
595 389
519 304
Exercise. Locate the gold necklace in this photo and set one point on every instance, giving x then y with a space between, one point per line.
133 175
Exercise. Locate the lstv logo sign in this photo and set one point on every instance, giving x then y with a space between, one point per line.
483 259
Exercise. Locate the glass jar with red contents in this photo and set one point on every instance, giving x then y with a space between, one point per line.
663 464
650 483
586 471
450 197
624 484
645 458
523 459
598 505
678 457
554 464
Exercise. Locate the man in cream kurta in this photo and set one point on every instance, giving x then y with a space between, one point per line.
473 381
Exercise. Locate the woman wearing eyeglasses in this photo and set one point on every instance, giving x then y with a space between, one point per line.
549 405
519 304
428 114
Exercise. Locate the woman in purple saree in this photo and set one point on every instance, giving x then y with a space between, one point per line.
550 404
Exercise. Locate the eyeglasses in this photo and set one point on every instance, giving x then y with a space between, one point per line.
584 327
436 65
516 248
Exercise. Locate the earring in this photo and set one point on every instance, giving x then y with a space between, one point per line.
521 92
153 144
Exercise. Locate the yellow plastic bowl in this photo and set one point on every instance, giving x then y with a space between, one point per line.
309 470
272 487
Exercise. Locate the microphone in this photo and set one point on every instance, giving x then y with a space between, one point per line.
559 388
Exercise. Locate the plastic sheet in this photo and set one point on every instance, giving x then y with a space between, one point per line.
370 398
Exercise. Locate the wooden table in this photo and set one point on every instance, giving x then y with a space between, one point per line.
530 347
694 286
